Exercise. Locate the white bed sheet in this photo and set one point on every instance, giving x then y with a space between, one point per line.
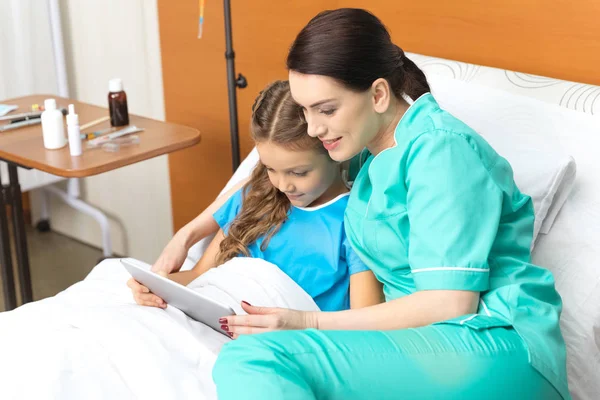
92 341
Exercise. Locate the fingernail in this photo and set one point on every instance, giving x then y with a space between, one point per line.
222 320
225 328
246 303
230 334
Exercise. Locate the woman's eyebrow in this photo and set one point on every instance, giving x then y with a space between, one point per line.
318 103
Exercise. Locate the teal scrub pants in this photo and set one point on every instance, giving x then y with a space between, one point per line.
434 362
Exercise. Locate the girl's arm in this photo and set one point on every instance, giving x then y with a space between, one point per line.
365 290
144 297
174 254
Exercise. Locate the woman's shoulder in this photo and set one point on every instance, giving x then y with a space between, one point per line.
457 139
426 121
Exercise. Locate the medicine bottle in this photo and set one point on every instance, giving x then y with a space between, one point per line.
117 103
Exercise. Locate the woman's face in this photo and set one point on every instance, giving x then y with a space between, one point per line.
344 120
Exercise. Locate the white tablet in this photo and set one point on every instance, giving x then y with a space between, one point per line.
195 305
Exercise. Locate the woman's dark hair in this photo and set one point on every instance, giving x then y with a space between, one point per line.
353 46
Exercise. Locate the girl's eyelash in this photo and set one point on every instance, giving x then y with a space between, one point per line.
299 174
327 112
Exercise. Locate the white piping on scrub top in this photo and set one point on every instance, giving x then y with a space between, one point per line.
416 271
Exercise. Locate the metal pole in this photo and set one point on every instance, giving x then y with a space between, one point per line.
20 235
6 266
59 49
231 87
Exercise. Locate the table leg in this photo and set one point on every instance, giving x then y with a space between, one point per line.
20 237
8 279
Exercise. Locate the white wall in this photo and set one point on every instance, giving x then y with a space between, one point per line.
26 63
106 39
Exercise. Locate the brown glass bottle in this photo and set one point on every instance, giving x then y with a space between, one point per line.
117 103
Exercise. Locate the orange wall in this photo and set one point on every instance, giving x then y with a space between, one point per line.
558 40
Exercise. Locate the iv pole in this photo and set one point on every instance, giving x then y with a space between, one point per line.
232 84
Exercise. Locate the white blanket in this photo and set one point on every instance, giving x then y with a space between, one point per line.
92 341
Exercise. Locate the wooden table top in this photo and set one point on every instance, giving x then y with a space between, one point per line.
25 146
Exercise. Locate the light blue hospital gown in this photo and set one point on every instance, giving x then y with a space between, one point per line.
311 248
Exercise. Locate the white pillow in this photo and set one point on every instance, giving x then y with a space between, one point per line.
548 179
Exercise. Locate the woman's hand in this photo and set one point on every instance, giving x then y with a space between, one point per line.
266 319
143 296
172 257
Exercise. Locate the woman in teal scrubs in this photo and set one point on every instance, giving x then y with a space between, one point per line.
436 215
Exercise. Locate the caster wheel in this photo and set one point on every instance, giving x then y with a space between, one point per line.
43 226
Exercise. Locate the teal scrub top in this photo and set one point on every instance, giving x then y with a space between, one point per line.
440 211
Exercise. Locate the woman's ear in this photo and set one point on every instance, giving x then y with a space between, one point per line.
381 94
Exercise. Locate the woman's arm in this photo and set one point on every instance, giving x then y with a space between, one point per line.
418 309
365 290
205 263
174 254
144 297
204 224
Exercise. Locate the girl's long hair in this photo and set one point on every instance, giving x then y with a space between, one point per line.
277 119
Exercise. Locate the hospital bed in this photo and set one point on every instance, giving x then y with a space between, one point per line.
550 132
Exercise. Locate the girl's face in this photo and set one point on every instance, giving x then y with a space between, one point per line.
304 176
344 120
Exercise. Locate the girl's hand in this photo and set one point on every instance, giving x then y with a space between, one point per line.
266 319
143 296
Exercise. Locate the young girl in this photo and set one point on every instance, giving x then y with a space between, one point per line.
289 213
